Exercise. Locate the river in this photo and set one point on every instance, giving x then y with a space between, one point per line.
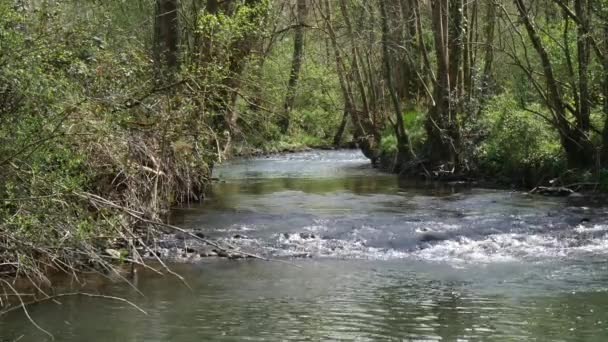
374 258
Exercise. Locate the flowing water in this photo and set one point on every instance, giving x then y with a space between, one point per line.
378 259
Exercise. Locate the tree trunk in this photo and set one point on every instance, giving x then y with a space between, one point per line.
470 49
233 59
441 126
488 78
404 145
604 156
404 63
340 132
296 65
576 144
166 38
583 43
424 54
365 134
356 64
455 37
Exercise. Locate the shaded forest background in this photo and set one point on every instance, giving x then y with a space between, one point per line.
113 111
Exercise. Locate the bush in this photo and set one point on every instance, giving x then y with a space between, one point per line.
73 140
520 146
414 123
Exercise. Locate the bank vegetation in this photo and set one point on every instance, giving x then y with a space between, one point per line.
112 112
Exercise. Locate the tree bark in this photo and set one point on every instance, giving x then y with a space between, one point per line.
488 78
455 37
470 49
355 64
341 128
296 65
604 155
583 43
442 126
365 133
166 38
404 145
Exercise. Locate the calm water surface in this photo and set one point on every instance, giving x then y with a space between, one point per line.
378 259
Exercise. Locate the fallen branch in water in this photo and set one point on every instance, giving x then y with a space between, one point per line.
137 216
552 191
72 294
54 298
23 305
211 243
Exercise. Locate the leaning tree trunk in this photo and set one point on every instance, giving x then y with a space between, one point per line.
575 141
341 128
296 65
166 38
365 133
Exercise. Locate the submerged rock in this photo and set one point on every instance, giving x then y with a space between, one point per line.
433 236
307 236
576 220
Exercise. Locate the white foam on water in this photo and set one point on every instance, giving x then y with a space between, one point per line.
430 227
595 228
310 245
458 250
455 247
522 247
465 250
237 228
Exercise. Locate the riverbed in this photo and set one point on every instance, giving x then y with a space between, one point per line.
364 256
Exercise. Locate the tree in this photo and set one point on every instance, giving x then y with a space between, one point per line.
404 145
296 64
366 130
574 136
166 37
442 124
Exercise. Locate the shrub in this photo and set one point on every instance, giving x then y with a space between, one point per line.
520 145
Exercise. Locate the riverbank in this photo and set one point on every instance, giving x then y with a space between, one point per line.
355 236
551 183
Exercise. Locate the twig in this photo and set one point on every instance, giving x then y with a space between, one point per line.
211 243
27 314
138 217
92 295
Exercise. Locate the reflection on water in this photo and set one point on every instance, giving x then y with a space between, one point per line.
389 260
328 300
333 204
